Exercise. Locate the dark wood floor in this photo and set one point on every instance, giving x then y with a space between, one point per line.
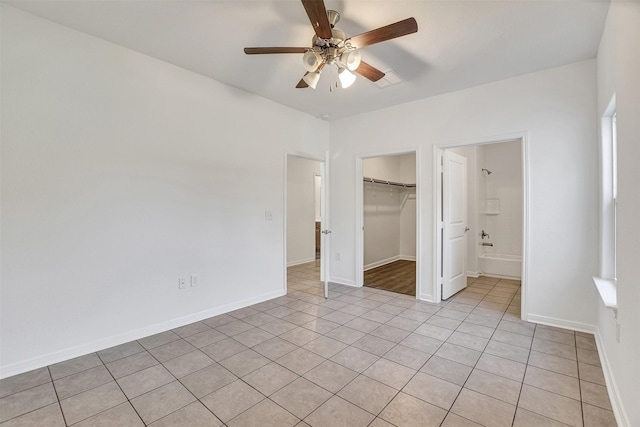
398 276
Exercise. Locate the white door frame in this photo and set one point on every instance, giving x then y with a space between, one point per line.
324 213
437 182
359 223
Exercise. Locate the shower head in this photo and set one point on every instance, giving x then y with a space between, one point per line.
487 171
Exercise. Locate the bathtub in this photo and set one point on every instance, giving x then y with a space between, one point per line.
500 265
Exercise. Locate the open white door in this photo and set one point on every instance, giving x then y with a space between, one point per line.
324 225
454 223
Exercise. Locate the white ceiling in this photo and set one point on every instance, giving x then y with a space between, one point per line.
459 44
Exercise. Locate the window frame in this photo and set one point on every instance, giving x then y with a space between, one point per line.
607 282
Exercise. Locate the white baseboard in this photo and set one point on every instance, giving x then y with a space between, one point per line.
561 323
345 282
499 276
473 274
381 262
103 343
612 387
426 298
301 261
388 261
351 285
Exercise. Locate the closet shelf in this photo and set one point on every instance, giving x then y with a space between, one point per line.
382 181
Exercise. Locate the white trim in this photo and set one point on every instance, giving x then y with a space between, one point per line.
427 298
608 293
473 274
561 323
325 223
526 232
359 200
382 262
607 213
612 387
437 225
500 276
101 344
301 261
345 282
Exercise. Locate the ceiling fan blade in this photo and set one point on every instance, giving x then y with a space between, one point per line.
317 14
263 50
302 84
369 72
399 29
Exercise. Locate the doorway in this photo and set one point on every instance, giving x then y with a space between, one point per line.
389 223
305 242
487 237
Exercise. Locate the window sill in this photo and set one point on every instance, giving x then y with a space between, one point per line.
608 293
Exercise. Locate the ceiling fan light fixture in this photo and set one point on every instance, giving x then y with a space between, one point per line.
311 79
311 60
351 59
346 77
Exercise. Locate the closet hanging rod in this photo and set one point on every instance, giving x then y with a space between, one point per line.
382 181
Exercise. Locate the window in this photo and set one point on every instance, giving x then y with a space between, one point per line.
614 192
606 282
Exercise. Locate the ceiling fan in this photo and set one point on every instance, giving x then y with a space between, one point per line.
330 46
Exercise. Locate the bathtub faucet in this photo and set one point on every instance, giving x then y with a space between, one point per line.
483 235
487 244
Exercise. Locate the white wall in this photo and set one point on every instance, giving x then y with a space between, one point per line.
619 74
301 203
555 109
120 174
504 160
381 215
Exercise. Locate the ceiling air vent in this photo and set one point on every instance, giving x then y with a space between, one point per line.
390 78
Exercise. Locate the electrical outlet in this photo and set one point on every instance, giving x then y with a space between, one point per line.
182 283
268 215
194 280
338 256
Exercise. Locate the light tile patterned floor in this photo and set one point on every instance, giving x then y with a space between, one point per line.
364 357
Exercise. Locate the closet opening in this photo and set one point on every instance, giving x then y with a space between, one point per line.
389 223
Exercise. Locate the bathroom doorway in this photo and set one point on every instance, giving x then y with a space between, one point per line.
492 244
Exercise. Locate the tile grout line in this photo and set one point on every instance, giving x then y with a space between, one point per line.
64 419
476 363
121 390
